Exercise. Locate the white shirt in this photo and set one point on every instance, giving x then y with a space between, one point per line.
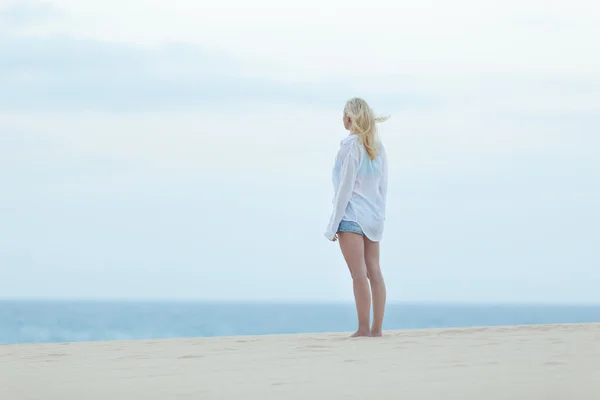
360 189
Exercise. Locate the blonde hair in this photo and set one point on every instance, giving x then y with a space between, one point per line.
363 124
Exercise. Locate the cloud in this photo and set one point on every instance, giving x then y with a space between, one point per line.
316 39
68 73
19 13
62 73
486 58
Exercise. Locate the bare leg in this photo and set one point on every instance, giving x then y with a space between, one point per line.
377 284
352 246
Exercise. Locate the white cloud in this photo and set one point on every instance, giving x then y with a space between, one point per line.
345 38
528 56
267 142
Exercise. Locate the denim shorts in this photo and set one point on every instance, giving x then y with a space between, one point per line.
350 226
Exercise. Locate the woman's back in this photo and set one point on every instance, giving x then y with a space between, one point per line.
366 182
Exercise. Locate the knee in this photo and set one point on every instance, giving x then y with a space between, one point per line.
358 276
374 274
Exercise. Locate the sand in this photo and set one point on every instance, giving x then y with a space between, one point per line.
546 362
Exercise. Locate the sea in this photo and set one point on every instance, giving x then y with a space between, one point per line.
76 321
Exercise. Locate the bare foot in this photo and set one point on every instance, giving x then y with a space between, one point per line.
376 333
361 333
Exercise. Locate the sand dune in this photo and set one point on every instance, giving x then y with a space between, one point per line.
546 362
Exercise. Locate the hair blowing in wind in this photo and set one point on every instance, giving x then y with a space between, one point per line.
364 124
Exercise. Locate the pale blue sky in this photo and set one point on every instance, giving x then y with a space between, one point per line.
186 152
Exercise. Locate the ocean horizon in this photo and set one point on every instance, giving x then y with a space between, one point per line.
55 321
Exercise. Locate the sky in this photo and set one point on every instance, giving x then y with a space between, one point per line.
183 149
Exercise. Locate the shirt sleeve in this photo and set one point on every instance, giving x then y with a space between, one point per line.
348 172
383 184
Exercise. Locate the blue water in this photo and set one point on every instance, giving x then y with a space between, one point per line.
71 321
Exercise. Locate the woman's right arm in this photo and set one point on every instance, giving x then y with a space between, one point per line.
348 172
383 184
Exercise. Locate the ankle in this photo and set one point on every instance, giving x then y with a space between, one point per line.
363 329
376 331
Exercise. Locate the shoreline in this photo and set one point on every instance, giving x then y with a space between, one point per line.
386 333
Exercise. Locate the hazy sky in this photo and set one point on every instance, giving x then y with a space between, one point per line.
183 149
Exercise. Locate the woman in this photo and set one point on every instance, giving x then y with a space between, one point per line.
360 186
